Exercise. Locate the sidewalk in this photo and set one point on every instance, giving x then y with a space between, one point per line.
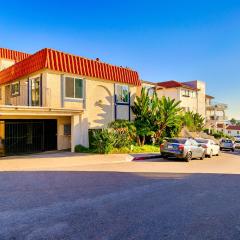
59 160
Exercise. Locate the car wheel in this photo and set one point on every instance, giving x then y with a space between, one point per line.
220 149
188 157
203 156
211 154
233 149
218 153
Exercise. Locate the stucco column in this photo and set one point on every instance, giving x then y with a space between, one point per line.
79 131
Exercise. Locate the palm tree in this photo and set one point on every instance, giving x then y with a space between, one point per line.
166 114
142 111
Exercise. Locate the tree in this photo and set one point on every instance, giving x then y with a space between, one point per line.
166 114
142 111
154 116
193 121
233 121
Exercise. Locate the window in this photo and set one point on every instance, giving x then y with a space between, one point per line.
185 93
35 91
73 88
150 91
122 93
67 129
15 89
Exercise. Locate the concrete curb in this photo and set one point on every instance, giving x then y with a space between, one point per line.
147 157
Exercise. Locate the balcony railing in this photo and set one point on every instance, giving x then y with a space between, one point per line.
26 97
217 106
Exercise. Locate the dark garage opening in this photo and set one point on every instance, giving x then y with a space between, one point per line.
30 136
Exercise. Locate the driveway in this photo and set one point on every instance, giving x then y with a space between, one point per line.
114 199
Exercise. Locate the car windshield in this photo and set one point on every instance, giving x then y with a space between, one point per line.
174 140
227 141
201 140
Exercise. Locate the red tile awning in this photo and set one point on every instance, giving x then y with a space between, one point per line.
67 63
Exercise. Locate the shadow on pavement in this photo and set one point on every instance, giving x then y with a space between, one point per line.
114 205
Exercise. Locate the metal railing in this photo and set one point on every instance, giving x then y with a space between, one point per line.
26 97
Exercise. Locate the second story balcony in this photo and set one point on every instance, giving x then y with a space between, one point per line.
216 106
25 96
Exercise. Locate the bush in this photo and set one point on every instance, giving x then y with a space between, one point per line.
82 149
103 141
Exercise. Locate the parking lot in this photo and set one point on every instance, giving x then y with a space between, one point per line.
66 196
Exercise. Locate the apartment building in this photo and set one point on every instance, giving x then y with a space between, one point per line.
50 99
191 94
215 113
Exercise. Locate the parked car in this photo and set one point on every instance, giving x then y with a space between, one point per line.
237 144
227 144
210 146
182 148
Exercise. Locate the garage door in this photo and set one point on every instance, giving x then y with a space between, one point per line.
30 136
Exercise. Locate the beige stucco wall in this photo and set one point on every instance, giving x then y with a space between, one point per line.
189 103
172 93
5 63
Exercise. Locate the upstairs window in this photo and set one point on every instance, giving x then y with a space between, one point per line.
73 88
122 94
15 89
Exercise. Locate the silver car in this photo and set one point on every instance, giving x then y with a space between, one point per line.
227 144
182 148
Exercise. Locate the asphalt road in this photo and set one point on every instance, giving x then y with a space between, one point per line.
122 205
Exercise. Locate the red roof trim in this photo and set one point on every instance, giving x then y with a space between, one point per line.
232 127
13 55
63 62
175 84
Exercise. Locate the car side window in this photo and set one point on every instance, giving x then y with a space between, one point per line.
194 143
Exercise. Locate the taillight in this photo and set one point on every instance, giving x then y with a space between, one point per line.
162 146
181 147
204 146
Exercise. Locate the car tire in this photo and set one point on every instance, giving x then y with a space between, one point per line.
218 153
233 149
221 149
188 157
203 156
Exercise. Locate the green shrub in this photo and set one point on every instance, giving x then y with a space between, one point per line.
103 141
82 149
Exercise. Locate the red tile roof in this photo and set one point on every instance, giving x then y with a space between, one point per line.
233 127
209 96
175 84
12 55
64 62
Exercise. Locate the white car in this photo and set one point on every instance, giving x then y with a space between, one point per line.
211 148
237 144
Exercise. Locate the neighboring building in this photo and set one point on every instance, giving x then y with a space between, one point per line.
215 113
191 94
232 130
49 100
149 86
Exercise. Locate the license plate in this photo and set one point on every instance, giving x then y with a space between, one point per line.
170 147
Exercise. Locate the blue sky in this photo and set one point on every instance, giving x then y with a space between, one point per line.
162 40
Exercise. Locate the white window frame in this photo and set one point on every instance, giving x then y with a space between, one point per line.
11 86
74 98
122 85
